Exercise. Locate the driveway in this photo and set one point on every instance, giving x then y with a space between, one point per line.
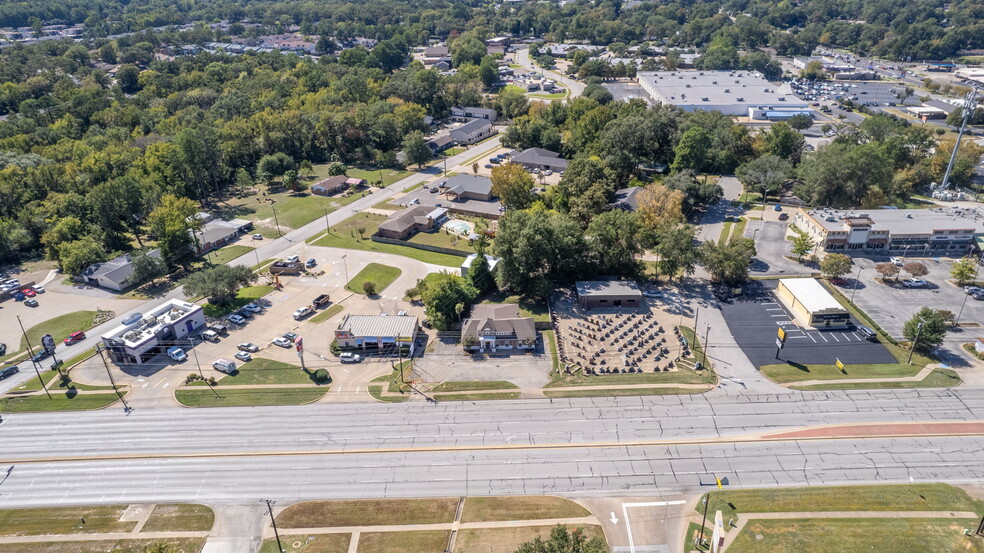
770 248
576 87
445 361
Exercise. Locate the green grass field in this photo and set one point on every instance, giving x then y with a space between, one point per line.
265 371
474 386
224 255
293 210
60 401
939 378
332 310
180 517
59 327
346 235
368 512
477 396
539 311
318 543
185 545
63 520
526 507
418 541
785 372
615 392
250 397
381 275
508 540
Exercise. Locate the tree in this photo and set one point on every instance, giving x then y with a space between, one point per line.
128 77
784 142
887 270
659 206
76 255
290 181
538 248
964 270
442 295
415 149
614 240
219 283
513 185
512 103
562 540
691 151
107 53
765 174
835 265
697 193
146 267
802 245
814 71
930 336
728 262
171 224
916 269
276 164
369 287
675 250
479 274
800 121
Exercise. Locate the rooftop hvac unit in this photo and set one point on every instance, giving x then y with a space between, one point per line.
727 90
908 216
714 82
705 99
831 219
688 85
737 81
782 98
740 99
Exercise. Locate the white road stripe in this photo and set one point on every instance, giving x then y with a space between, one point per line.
811 337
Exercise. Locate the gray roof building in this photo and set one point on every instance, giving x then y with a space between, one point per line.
472 131
538 158
474 113
608 293
499 326
469 186
730 92
410 220
113 274
376 331
627 198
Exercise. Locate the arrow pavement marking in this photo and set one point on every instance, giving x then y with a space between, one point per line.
625 515
614 518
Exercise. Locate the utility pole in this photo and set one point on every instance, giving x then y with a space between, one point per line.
700 540
970 102
912 349
280 546
30 351
345 264
856 281
126 408
256 253
199 365
274 206
327 224
703 349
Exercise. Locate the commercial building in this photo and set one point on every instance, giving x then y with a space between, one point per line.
376 331
494 327
473 131
115 274
407 222
937 231
157 331
811 304
468 187
925 112
730 92
216 233
538 158
459 113
608 293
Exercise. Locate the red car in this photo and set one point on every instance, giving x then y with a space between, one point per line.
74 337
29 292
838 281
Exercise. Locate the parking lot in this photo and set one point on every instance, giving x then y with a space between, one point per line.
754 320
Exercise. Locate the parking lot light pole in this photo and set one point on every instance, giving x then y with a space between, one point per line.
912 348
957 320
857 279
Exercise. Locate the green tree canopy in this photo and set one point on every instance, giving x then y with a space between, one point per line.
930 336
219 283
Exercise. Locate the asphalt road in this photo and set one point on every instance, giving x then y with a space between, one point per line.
587 446
576 87
266 249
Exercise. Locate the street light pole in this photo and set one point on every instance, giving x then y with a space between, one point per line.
345 264
912 348
256 253
280 546
30 351
857 279
273 205
703 349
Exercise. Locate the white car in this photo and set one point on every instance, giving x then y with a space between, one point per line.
236 319
257 236
253 308
282 342
302 312
897 261
293 259
349 357
652 294
38 288
177 354
243 356
914 283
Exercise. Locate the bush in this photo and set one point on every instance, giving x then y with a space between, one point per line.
369 287
321 375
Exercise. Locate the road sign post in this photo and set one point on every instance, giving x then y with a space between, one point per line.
778 347
840 365
780 340
299 345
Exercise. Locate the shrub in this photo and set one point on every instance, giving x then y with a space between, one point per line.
369 287
321 375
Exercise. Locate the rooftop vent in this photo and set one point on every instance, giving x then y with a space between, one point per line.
714 82
740 99
705 99
688 85
727 90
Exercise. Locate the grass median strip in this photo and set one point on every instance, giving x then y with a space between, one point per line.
473 386
194 397
417 541
64 520
368 512
525 507
59 401
59 327
319 543
618 392
266 371
899 535
333 310
938 378
185 545
477 396
508 540
180 517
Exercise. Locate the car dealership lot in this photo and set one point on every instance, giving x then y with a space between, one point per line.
755 317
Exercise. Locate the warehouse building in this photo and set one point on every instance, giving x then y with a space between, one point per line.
608 293
811 304
914 232
735 93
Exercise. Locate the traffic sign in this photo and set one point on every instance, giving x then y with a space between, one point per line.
839 365
782 334
48 343
778 343
299 343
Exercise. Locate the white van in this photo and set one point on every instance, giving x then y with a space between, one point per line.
177 354
224 366
210 335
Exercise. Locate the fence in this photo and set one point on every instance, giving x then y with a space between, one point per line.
426 247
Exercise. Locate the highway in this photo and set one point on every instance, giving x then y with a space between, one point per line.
600 446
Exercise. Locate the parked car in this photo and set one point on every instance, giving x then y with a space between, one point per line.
236 319
548 172
31 303
489 166
867 333
897 261
210 336
302 312
652 294
8 371
224 366
290 336
349 357
245 313
176 353
973 290
248 346
243 356
38 288
133 318
257 236
74 337
783 216
310 263
914 283
253 308
29 292
18 295
282 342
3 348
293 259
838 281
777 207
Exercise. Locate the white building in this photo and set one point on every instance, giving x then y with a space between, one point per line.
730 92
157 331
812 304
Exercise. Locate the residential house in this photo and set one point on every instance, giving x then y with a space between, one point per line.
405 223
216 233
376 331
472 131
468 187
329 186
494 327
468 113
538 158
114 274
627 199
443 64
440 143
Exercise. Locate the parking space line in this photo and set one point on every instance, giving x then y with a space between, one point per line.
855 334
811 337
846 337
824 337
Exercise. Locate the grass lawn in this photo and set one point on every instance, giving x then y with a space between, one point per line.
474 386
376 391
63 520
419 541
615 392
318 543
693 534
59 327
266 371
293 210
182 517
477 396
508 540
539 311
525 507
389 175
244 296
791 373
60 401
249 397
889 497
455 151
345 235
682 376
332 310
550 339
381 275
900 535
939 378
224 255
368 512
443 239
180 545
514 88
54 383
558 96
